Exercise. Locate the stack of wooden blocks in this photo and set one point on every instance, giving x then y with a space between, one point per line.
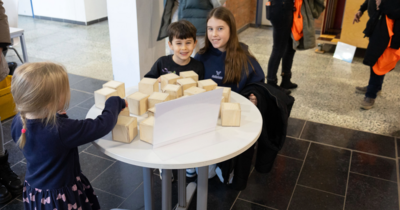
149 94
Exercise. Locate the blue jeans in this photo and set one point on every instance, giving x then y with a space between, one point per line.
374 85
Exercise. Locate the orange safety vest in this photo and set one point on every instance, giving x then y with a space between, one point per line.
297 27
390 56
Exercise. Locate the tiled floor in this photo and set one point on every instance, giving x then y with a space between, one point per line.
319 167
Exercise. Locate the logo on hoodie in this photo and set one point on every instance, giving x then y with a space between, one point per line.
217 76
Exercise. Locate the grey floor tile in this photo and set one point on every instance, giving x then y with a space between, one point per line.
370 165
93 166
370 193
294 148
20 170
244 205
14 153
295 126
77 113
78 97
108 201
94 151
120 179
83 147
352 139
275 188
87 104
14 205
88 85
310 199
7 131
73 78
326 168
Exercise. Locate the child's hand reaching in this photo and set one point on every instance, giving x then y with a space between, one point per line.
159 80
61 112
253 99
126 104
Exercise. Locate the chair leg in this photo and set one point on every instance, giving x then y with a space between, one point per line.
1 140
16 52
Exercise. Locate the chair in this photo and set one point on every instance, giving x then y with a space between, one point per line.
11 7
1 139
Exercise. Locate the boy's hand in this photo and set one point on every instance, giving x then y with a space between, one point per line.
358 16
253 99
378 3
159 80
61 112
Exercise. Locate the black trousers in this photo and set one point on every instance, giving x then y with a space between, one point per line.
374 84
282 49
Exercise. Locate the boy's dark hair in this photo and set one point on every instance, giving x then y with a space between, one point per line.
182 29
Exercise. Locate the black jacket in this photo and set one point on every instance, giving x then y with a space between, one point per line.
377 30
275 107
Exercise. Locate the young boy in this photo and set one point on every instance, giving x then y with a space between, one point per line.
182 40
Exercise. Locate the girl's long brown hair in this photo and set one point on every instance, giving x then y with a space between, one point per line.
236 58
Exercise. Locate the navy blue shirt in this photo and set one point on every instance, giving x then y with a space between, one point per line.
52 151
214 65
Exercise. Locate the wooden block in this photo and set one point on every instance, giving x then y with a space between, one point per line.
230 114
137 103
146 130
168 79
125 130
148 86
220 108
101 96
174 91
226 93
157 97
125 112
193 90
189 74
151 112
207 84
119 86
186 83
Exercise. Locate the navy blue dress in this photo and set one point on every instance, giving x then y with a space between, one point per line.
53 177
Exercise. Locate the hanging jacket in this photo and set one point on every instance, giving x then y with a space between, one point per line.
390 56
377 29
297 27
310 10
194 11
4 29
275 107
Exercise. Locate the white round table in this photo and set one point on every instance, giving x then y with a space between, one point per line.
209 148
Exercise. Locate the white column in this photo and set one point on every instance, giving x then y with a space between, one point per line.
134 26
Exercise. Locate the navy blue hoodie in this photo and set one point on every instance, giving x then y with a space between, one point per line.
214 65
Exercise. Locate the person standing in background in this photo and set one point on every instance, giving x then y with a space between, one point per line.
10 184
5 40
194 11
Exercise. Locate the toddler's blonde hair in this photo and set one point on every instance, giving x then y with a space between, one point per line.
39 89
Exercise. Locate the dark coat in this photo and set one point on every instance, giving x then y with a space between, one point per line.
377 30
275 107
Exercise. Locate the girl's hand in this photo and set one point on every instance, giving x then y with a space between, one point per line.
253 99
126 104
159 80
378 3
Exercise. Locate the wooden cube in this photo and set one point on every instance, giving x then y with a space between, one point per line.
168 79
186 83
125 112
137 103
220 108
101 96
193 90
226 93
207 84
156 98
148 86
119 86
230 114
125 130
174 91
146 130
189 74
151 112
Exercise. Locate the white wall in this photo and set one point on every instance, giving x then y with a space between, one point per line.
95 9
77 10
